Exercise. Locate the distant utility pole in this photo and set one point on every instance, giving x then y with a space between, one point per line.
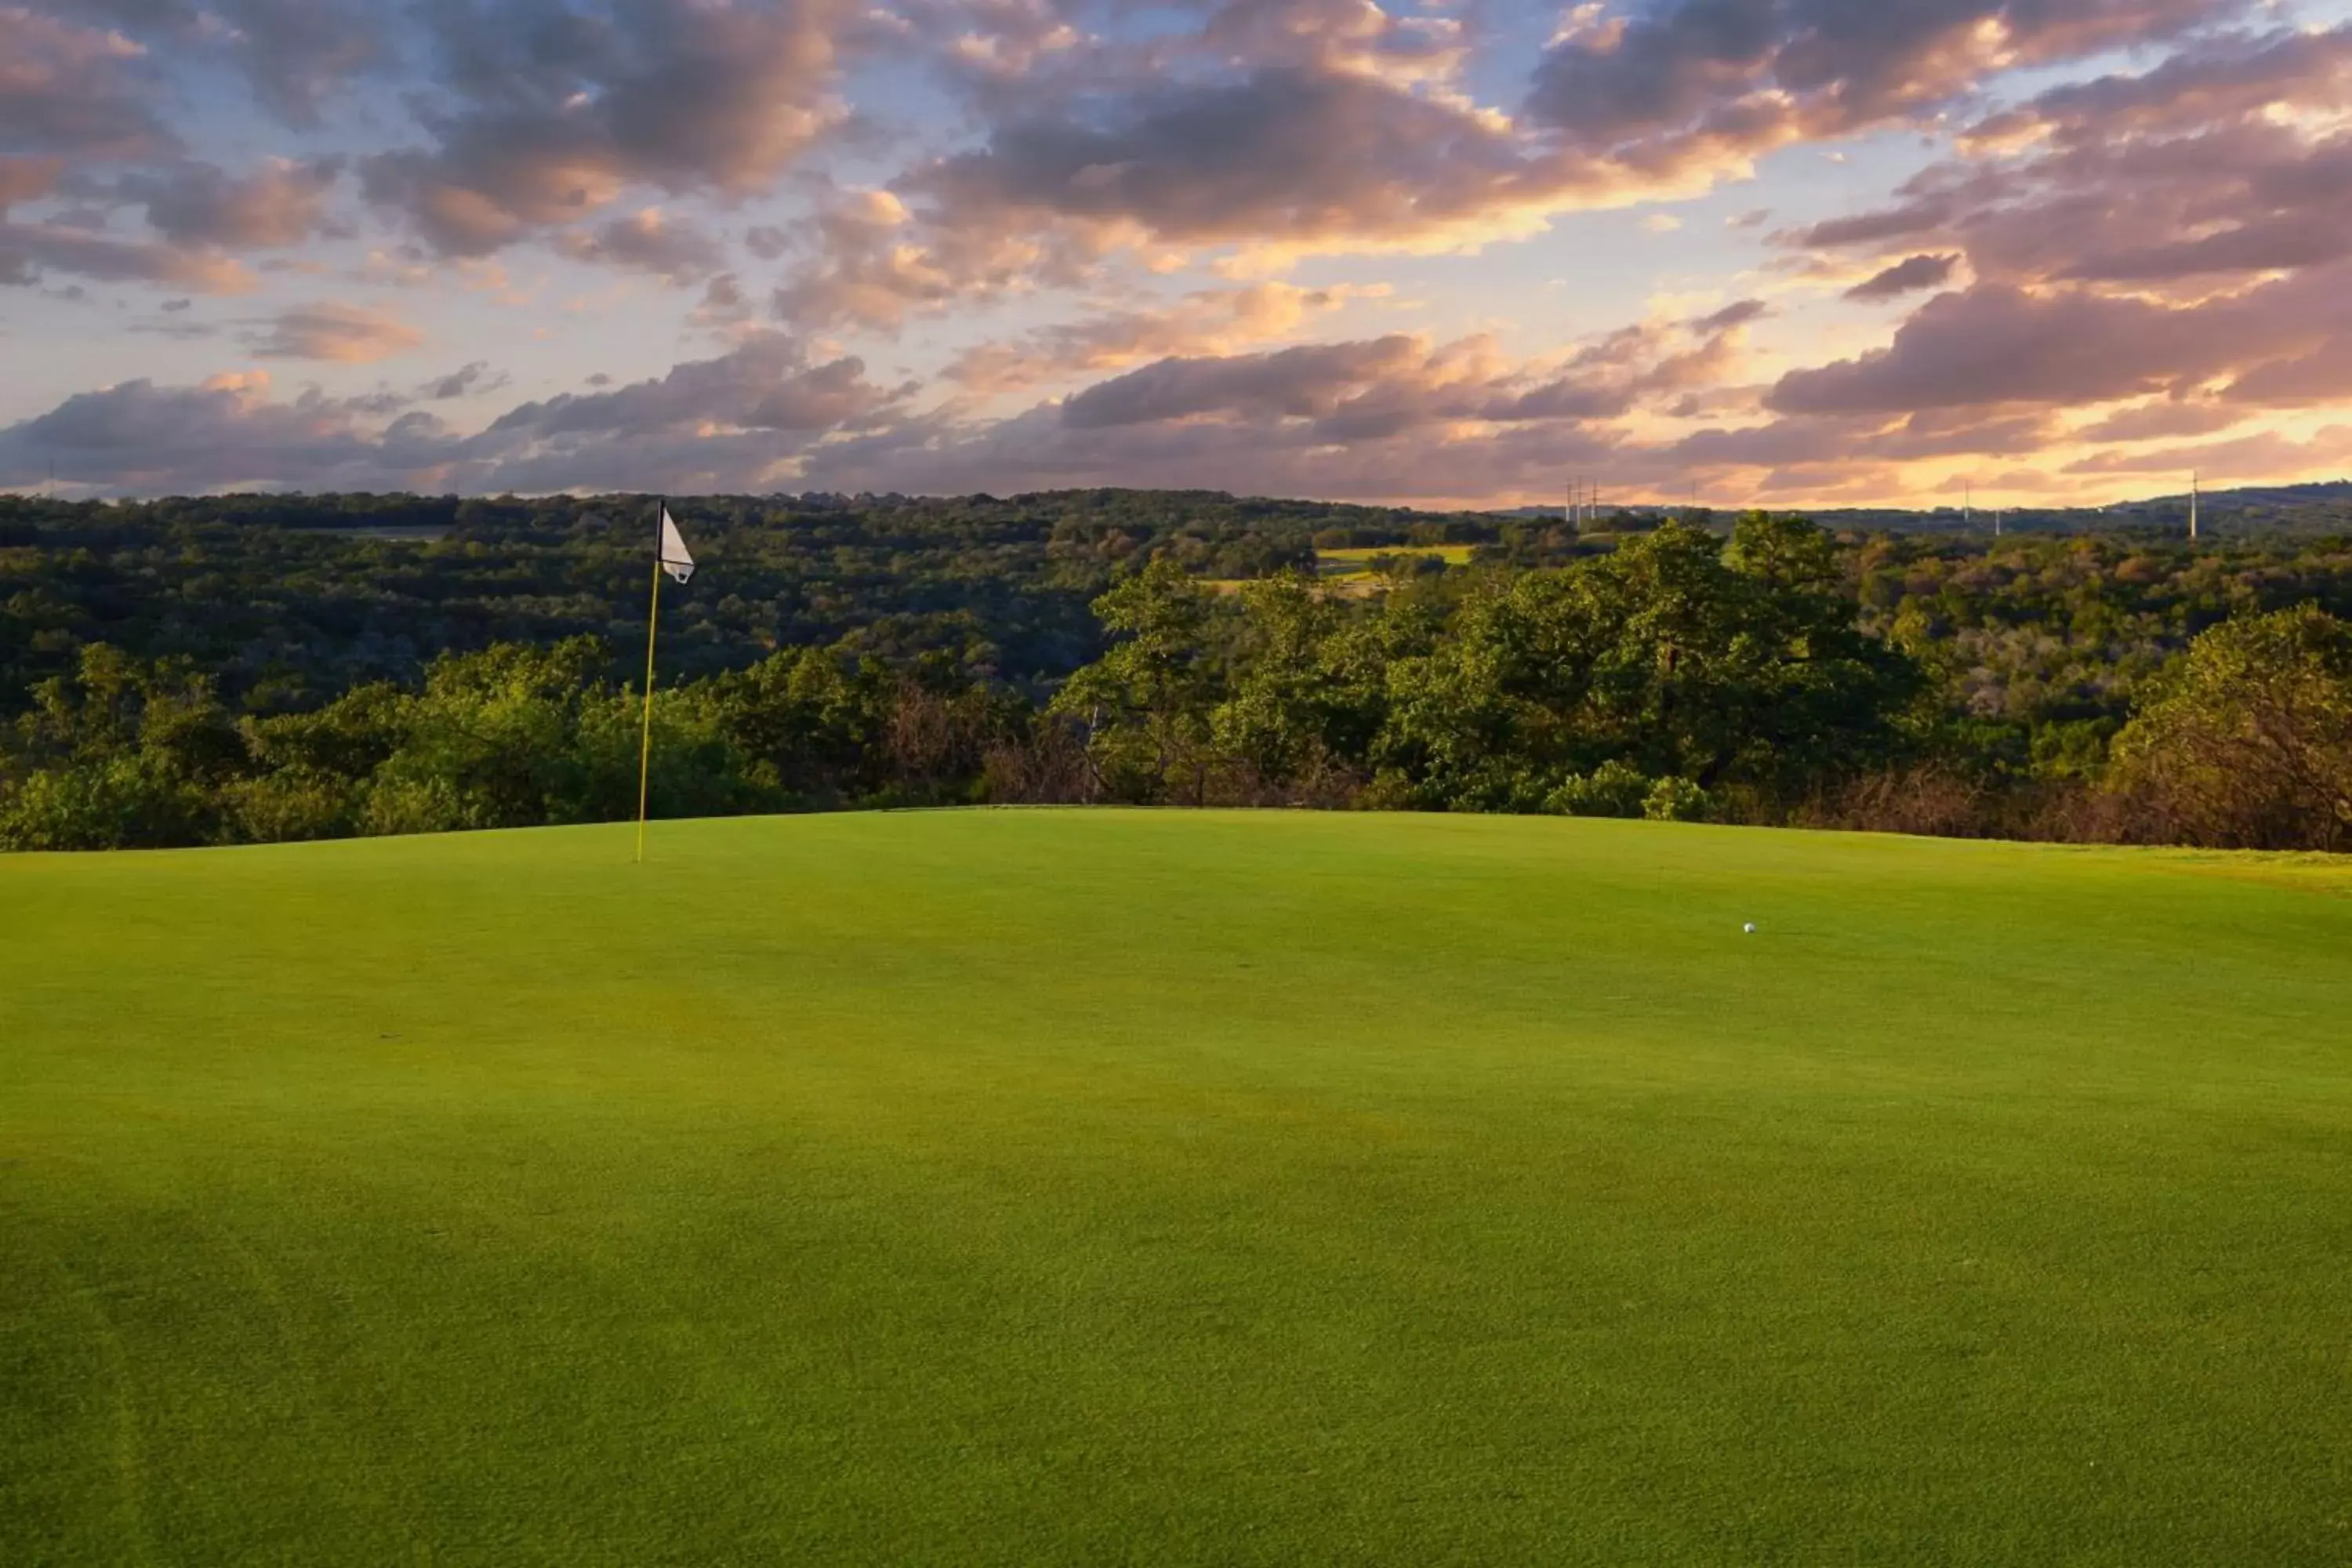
2194 497
1968 505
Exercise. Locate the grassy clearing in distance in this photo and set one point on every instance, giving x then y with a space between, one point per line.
1356 562
1055 1186
1452 554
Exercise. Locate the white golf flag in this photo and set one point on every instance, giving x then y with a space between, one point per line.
674 557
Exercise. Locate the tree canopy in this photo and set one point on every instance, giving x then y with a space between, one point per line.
258 668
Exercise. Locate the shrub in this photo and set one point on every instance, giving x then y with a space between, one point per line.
1613 789
1673 799
2248 741
295 804
117 803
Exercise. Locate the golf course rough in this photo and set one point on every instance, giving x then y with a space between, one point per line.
1028 1187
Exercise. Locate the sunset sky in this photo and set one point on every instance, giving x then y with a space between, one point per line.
1777 252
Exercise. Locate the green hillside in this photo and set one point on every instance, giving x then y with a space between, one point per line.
1050 1187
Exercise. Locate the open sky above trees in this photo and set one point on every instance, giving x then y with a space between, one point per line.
1779 252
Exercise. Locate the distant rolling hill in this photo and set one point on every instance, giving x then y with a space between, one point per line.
2308 509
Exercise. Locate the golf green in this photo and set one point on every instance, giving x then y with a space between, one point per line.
1024 1187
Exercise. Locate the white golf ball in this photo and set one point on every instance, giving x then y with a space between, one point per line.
1750 928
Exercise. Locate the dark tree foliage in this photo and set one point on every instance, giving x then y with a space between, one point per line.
125 754
287 601
1736 671
2247 742
259 668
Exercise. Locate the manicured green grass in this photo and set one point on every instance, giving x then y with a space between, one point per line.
1051 1187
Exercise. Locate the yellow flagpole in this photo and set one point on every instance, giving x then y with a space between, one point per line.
646 747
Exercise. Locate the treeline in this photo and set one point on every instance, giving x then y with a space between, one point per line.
290 600
1781 676
1681 677
2310 510
131 755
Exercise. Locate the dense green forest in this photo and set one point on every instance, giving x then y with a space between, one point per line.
254 668
287 601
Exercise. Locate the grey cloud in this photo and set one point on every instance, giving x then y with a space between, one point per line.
1736 314
1996 343
2321 377
877 265
2264 455
141 438
1870 228
74 89
1311 123
1377 416
281 204
296 51
678 252
1037 58
1568 398
1284 154
1761 69
1297 154
1038 450
1905 277
1301 383
735 423
343 334
2167 420
1209 321
2185 173
28 179
2262 243
58 247
2219 76
767 385
177 326
1378 388
554 114
1648 363
996 52
757 420
472 378
293 52
723 304
2323 175
382 404
1346 36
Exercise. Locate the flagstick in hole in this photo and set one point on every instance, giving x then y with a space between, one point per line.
670 555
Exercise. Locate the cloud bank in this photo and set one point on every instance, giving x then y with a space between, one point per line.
1327 247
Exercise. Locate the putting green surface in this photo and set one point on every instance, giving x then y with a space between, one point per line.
1057 1187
